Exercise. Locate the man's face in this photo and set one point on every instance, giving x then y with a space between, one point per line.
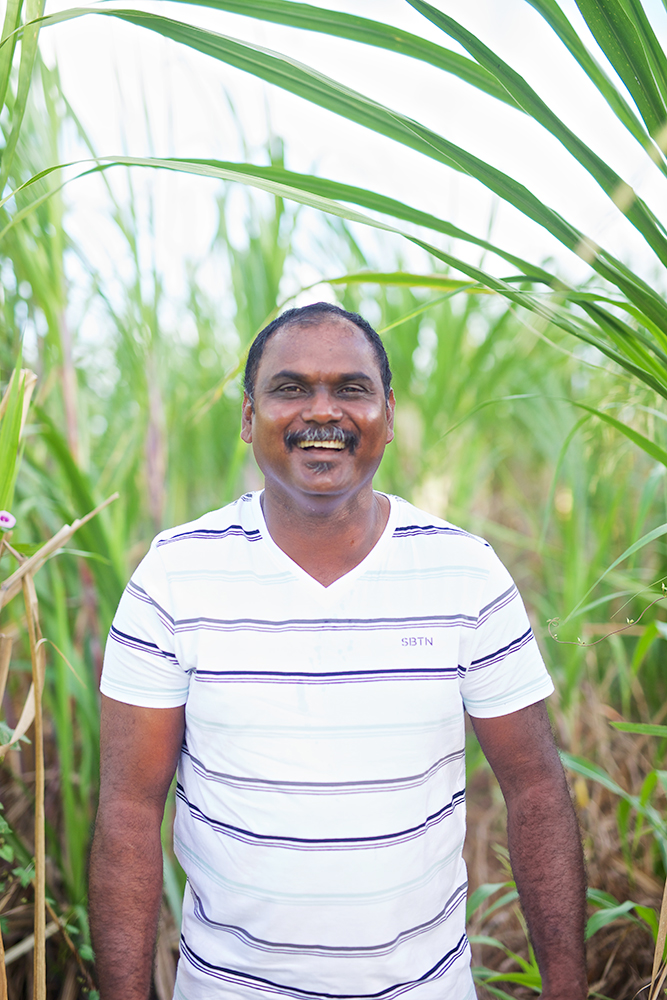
320 420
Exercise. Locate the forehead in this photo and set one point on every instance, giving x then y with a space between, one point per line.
330 346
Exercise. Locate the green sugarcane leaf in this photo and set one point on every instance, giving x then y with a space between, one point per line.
649 916
10 433
361 29
481 894
640 728
635 547
618 38
593 772
603 917
33 11
11 23
550 311
598 897
641 293
387 206
614 186
321 90
633 341
650 44
172 890
315 87
650 447
633 287
508 897
26 549
644 321
559 23
82 554
301 80
257 177
406 279
530 979
108 571
485 939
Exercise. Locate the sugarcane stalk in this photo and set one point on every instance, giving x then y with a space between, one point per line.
659 973
38 670
3 970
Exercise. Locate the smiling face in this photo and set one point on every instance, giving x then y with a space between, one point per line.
319 422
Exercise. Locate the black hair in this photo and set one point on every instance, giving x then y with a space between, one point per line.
308 315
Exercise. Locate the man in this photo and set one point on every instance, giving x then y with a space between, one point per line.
305 655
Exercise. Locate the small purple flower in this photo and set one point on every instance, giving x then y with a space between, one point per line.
7 520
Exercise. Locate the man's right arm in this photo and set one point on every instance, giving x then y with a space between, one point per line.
139 752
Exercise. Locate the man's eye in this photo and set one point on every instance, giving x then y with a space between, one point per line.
352 390
291 388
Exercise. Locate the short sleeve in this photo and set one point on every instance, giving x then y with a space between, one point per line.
140 663
504 669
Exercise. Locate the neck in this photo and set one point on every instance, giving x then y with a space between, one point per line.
330 540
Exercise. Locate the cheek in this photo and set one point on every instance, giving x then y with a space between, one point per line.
269 437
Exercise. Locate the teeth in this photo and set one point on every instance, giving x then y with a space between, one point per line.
337 445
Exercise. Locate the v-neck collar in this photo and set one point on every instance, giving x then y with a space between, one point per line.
343 583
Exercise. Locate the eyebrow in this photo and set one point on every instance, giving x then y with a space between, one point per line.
300 377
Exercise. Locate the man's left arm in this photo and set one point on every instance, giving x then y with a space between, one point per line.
544 844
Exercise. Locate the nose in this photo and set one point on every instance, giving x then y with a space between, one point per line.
321 406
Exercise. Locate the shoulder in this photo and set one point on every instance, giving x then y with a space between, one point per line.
234 520
412 523
461 568
195 543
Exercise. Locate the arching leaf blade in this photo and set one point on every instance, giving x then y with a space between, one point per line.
407 279
29 36
620 192
377 202
11 23
303 81
650 44
550 310
366 31
10 435
646 350
645 540
618 38
638 292
559 23
650 447
319 89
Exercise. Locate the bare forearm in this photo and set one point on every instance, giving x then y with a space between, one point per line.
545 848
548 866
125 895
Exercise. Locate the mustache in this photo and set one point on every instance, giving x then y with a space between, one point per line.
316 434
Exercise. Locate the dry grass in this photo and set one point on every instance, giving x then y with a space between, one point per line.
620 955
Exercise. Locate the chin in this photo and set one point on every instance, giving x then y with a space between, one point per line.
320 468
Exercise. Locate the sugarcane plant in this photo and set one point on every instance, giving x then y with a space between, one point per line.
618 312
621 315
627 318
13 414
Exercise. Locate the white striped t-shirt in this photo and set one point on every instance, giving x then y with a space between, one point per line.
321 788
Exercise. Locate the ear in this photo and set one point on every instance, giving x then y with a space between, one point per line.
391 406
247 411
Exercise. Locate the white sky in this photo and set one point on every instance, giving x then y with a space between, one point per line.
116 76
